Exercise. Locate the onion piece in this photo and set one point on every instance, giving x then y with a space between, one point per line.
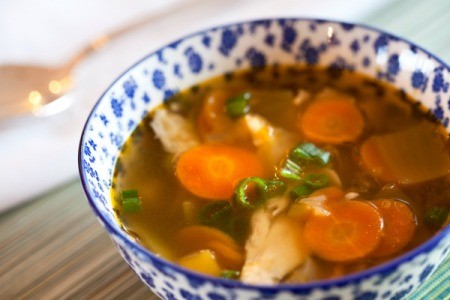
407 157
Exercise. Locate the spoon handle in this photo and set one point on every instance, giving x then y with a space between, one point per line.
101 41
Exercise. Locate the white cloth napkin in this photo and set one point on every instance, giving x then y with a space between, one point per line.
37 155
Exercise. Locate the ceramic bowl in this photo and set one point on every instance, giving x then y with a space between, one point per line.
225 49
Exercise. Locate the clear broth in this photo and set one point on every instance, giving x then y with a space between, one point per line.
144 165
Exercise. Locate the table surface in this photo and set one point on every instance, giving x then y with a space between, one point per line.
54 248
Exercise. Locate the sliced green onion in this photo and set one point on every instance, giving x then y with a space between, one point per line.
238 106
317 181
275 188
310 152
131 205
217 214
230 274
130 201
251 192
291 170
436 216
300 191
129 194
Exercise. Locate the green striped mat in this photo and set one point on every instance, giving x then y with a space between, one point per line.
426 23
438 286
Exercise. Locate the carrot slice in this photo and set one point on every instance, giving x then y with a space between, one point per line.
211 171
333 121
191 237
194 238
399 226
352 230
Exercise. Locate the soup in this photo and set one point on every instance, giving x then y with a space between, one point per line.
286 174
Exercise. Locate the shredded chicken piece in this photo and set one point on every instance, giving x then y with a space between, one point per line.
261 221
300 97
274 247
351 195
280 253
317 204
277 205
310 270
272 142
260 225
174 131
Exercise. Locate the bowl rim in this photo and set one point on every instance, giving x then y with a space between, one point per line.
381 269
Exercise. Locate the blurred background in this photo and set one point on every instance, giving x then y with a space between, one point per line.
38 156
41 153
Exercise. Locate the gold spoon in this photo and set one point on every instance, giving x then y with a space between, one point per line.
40 90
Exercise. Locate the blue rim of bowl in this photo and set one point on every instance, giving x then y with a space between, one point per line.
382 269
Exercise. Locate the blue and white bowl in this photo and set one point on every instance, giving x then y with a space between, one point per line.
226 49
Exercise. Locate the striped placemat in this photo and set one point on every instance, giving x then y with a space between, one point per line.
426 23
54 248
